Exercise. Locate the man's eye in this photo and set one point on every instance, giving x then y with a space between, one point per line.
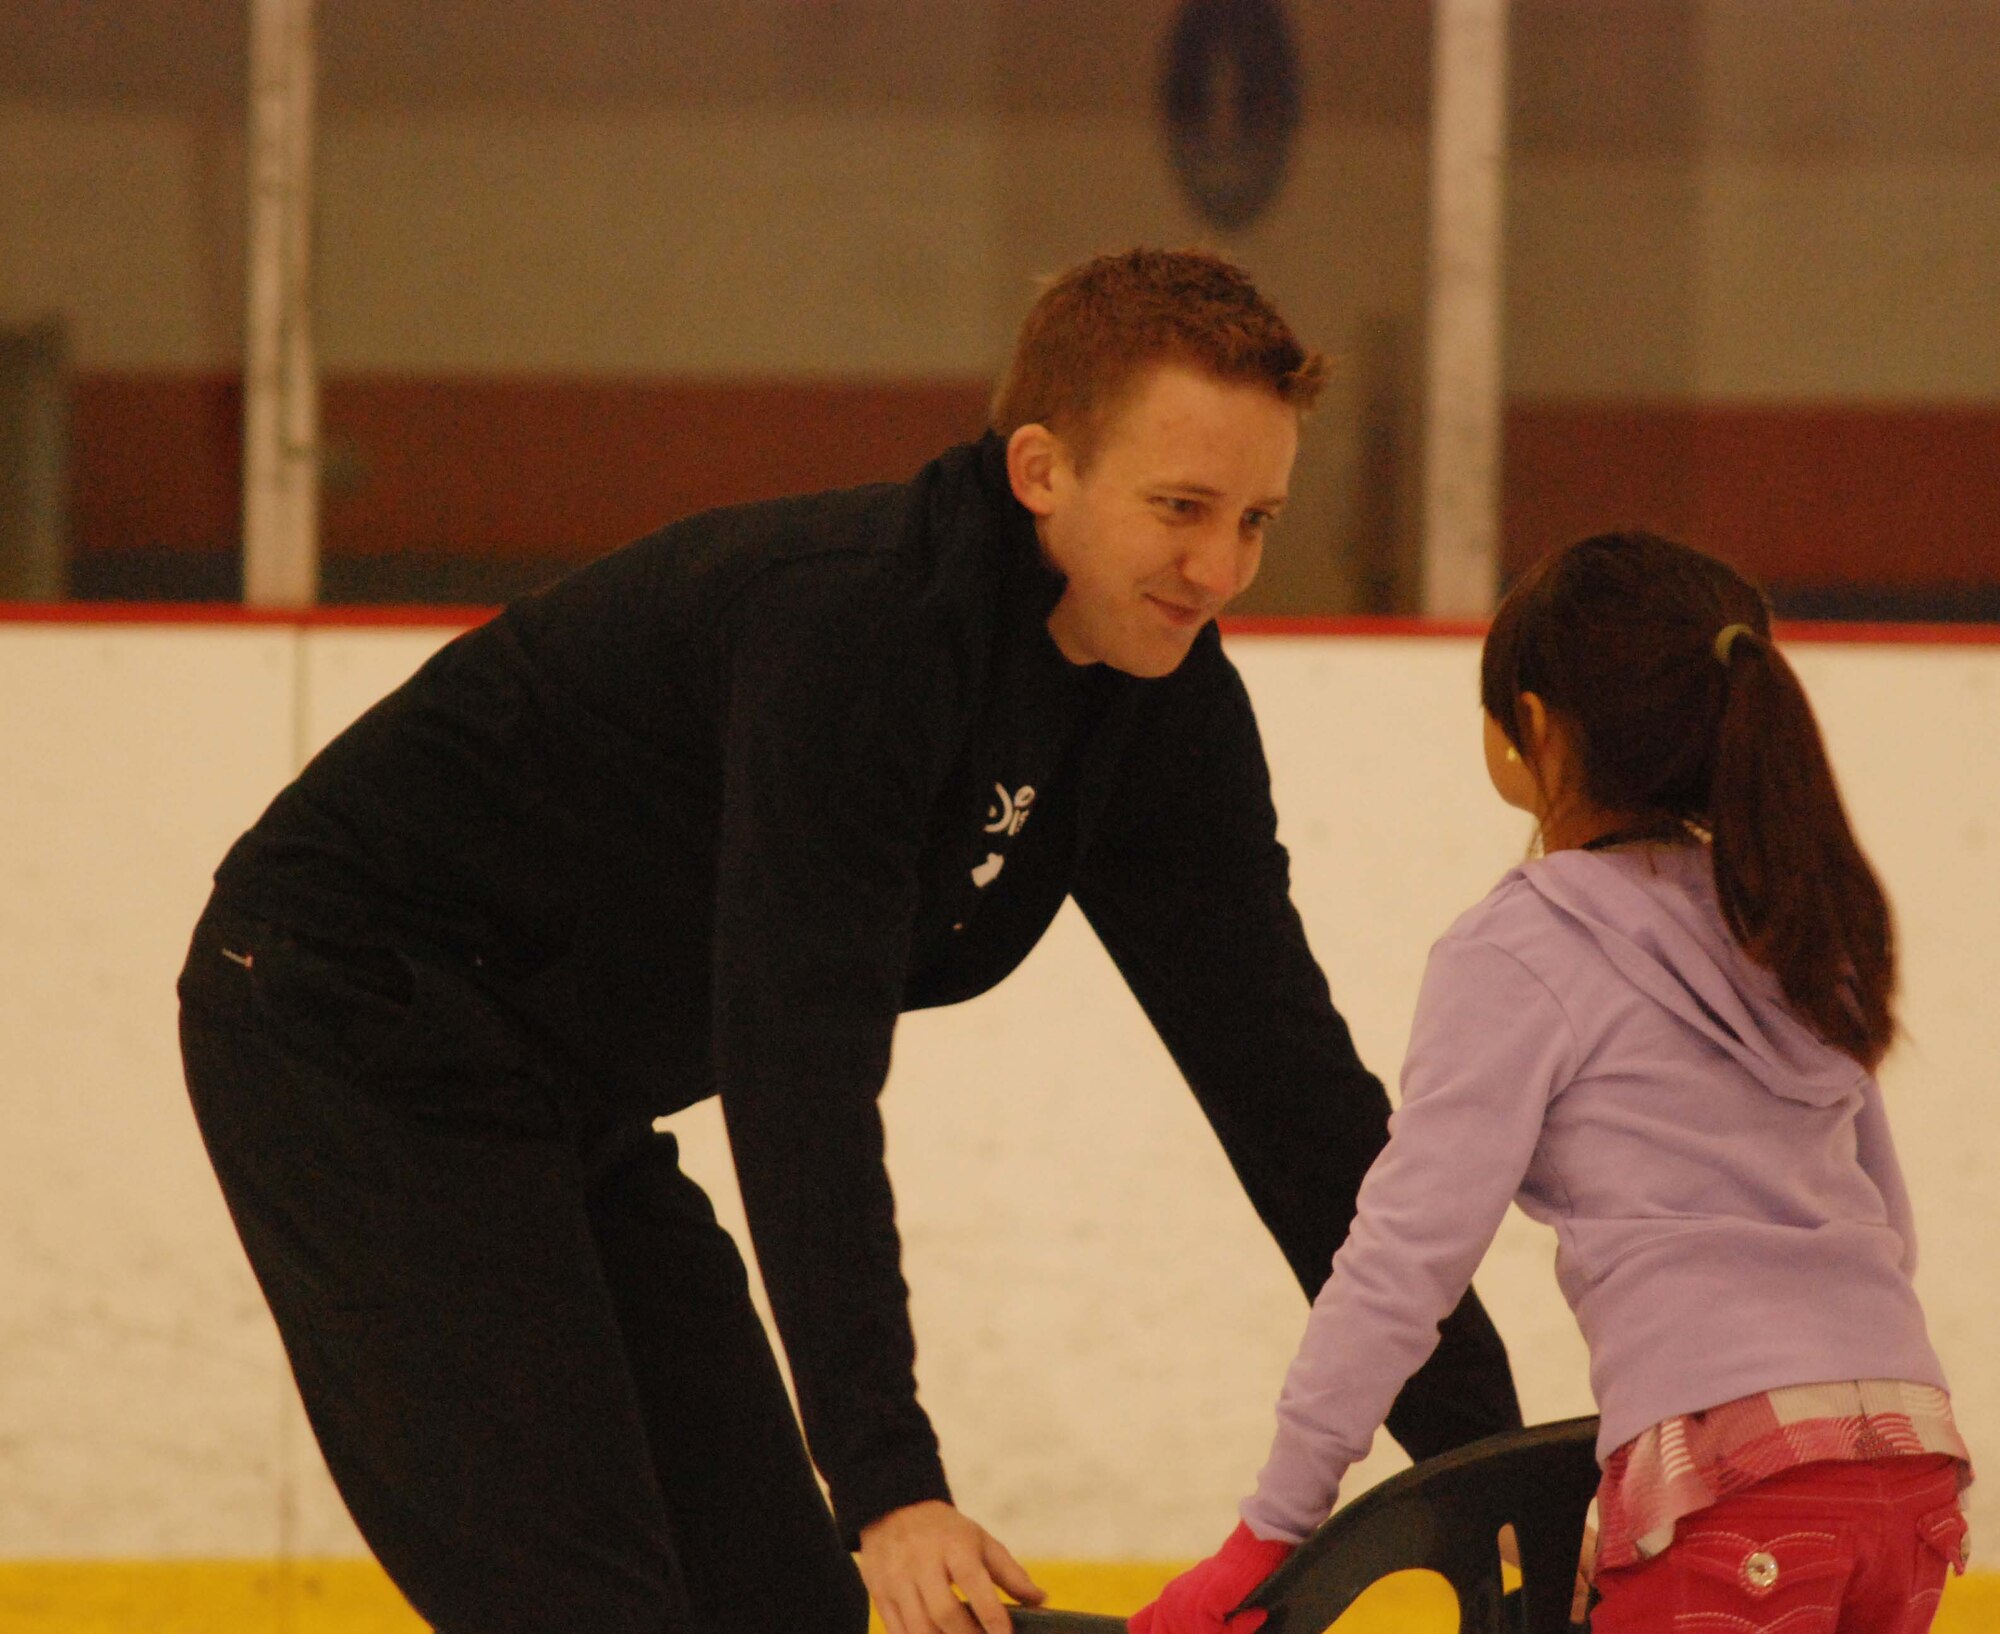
1177 505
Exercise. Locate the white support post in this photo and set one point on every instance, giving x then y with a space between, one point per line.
281 384
1463 391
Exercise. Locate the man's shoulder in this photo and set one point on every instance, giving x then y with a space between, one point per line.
923 537
860 523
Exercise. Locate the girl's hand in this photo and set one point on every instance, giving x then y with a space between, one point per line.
1200 1600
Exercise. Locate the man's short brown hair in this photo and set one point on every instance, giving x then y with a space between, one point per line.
1097 327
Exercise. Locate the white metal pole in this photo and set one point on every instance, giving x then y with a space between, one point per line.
1462 410
281 384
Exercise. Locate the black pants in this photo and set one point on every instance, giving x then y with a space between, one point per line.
524 1344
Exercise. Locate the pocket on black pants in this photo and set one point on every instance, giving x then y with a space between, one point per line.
402 1027
345 1009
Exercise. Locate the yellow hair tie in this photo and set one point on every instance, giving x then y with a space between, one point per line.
1726 639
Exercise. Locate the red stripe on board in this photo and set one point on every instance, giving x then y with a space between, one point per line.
223 615
1812 632
227 615
1346 624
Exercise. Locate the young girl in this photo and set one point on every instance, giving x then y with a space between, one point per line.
1659 1038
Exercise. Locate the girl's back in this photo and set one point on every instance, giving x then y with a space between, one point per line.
1710 1166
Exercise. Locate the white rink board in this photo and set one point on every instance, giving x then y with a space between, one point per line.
140 1383
1102 1324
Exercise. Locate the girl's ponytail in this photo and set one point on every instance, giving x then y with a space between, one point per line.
1794 885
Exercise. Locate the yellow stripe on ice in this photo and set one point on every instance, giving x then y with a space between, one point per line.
353 1597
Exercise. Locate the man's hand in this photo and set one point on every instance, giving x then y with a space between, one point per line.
1586 1574
1586 1566
912 1558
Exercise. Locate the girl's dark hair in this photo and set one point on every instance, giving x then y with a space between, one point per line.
1617 635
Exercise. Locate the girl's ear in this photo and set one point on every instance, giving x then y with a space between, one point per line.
1533 716
1551 754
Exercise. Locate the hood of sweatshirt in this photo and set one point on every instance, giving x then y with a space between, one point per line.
1654 914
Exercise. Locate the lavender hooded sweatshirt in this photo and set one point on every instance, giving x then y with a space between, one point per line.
1591 1043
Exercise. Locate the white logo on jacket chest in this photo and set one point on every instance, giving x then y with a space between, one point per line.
1006 815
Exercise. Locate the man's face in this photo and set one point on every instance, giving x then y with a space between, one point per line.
1166 525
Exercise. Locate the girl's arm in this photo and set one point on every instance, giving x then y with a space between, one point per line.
1489 1047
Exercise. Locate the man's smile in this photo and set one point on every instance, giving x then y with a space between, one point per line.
1178 614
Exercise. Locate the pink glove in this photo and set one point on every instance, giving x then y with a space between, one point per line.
1200 1600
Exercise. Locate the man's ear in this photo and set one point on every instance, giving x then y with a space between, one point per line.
1034 454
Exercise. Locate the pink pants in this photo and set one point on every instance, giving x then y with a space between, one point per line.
1823 1549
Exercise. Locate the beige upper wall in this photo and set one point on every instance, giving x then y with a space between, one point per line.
1779 197
1756 199
605 186
1798 78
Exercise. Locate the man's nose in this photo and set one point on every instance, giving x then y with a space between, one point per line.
1215 566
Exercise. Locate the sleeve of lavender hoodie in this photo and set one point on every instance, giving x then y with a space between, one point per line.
1489 1046
1876 1150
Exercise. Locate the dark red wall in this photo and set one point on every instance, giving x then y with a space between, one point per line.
501 466
1797 494
1900 498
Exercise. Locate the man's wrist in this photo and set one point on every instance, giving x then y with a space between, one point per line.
863 1498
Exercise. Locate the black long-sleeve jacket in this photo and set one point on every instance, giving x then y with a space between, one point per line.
709 814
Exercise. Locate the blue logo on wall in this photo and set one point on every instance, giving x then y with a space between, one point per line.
1230 97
